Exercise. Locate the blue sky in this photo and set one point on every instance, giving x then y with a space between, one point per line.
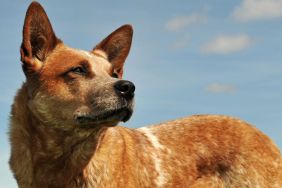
188 57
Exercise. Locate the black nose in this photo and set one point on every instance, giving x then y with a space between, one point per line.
125 88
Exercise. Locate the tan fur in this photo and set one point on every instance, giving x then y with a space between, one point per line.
51 149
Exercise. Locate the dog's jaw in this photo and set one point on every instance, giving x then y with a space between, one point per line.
108 117
85 118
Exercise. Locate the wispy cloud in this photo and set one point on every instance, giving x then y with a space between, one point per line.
224 44
250 10
221 88
180 22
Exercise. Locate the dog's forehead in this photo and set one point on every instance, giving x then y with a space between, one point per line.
64 58
97 59
88 54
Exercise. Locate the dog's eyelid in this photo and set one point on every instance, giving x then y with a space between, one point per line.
81 69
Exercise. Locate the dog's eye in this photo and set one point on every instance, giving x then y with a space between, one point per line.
79 70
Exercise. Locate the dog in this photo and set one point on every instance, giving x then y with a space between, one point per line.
64 132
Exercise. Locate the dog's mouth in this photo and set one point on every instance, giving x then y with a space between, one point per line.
107 118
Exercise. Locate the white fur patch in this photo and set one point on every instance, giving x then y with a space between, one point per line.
88 54
153 139
160 180
100 53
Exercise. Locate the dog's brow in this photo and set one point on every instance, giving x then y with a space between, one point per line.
83 62
86 53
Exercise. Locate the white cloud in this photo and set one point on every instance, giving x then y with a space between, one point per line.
181 22
221 88
250 10
227 44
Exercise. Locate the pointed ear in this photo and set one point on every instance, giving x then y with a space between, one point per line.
39 38
117 46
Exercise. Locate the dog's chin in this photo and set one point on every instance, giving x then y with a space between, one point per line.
107 118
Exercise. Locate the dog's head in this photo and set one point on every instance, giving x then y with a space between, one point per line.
69 87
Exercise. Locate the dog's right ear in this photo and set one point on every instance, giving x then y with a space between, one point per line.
117 46
39 38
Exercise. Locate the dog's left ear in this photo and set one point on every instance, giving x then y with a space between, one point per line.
117 46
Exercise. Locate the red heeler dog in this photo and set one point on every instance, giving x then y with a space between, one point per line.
64 131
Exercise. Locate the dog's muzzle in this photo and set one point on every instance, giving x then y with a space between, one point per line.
121 111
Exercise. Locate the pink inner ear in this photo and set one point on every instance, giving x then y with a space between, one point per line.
118 72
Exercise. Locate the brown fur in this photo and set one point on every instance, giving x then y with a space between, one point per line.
50 148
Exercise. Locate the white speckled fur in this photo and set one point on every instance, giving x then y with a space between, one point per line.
161 179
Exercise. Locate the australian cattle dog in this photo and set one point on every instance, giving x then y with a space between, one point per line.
64 132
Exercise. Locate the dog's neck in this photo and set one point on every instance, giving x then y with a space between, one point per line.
54 150
61 153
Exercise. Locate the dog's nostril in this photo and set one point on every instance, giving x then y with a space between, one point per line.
125 88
